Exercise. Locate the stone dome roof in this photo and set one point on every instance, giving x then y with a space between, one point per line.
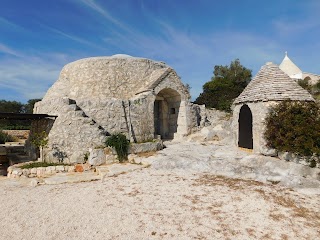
272 84
119 76
289 67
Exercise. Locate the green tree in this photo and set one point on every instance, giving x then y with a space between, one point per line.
226 84
16 107
11 106
28 107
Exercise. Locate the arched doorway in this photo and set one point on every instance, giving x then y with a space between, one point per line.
245 128
166 112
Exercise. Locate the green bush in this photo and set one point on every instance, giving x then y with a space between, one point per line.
294 127
4 137
120 144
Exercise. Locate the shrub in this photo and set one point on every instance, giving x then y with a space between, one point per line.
121 145
294 127
4 137
40 140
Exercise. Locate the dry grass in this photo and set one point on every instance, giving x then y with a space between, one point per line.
233 183
280 198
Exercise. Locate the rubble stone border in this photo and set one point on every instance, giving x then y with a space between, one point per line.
15 171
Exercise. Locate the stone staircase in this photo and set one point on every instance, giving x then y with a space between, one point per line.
79 113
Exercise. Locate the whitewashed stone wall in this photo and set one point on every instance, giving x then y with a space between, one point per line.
259 112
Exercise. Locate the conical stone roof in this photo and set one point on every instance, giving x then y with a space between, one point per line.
272 84
289 67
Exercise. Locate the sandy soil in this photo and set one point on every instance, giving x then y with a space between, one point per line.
157 204
181 196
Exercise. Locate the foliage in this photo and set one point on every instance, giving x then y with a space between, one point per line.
16 107
294 127
121 145
314 90
86 156
226 84
41 164
28 107
40 140
4 137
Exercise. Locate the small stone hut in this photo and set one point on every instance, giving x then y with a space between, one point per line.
266 89
95 97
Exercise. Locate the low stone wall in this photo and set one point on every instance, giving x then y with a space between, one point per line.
16 172
20 134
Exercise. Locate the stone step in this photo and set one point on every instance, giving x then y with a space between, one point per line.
60 178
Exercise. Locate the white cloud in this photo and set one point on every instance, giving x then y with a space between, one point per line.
104 12
31 77
7 50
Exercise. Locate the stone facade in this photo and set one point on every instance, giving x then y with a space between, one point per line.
270 86
96 97
259 112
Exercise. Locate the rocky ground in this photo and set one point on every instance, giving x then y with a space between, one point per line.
191 191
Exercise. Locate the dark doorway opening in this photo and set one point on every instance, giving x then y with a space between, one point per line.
245 128
166 112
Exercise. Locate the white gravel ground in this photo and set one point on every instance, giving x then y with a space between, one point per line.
162 202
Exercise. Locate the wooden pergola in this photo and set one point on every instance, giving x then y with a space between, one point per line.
24 116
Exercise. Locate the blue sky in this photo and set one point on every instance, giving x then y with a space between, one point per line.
38 37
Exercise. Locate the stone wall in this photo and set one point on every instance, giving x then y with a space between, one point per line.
96 97
20 134
259 112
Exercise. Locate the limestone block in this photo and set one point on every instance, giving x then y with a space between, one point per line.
9 170
48 171
145 147
52 169
209 134
77 157
131 158
71 168
33 171
41 171
264 150
34 182
26 172
60 168
285 156
111 159
97 157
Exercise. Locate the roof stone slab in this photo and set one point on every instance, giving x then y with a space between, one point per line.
272 84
